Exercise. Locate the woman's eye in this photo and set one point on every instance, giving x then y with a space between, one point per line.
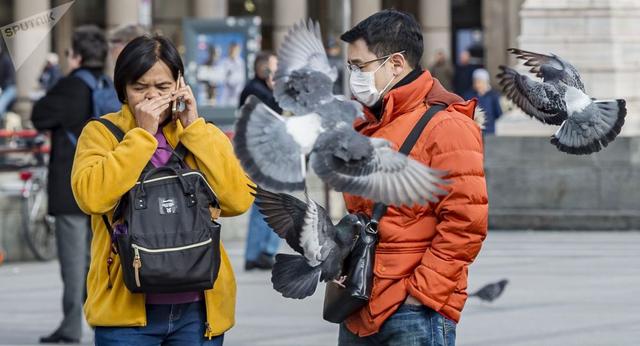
138 88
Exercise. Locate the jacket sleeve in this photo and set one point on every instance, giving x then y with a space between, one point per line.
215 158
103 171
454 146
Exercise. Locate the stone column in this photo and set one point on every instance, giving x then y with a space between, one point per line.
501 28
121 12
600 37
27 74
435 18
285 14
210 8
361 9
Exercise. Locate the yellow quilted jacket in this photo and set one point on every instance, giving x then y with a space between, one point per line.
104 170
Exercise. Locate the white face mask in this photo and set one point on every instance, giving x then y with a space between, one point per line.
363 86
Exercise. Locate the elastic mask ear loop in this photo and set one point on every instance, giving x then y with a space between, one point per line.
391 80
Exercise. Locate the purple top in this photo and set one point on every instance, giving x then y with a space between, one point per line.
160 158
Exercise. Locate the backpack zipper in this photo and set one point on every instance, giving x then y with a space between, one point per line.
137 261
175 176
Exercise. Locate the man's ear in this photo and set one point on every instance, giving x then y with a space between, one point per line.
399 64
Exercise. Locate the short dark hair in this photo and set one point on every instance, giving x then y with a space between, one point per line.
262 58
139 55
89 42
387 32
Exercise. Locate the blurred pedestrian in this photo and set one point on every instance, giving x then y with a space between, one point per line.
463 82
51 72
147 82
488 99
262 241
8 90
442 69
334 54
234 69
64 111
423 251
120 37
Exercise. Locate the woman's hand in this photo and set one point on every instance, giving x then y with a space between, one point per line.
148 113
190 112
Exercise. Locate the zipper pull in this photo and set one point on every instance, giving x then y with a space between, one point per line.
209 333
137 264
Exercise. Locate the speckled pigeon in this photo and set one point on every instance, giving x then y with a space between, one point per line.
309 231
586 124
273 149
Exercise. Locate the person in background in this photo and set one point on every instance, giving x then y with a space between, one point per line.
234 75
462 81
8 90
64 110
262 242
488 99
120 37
442 70
334 54
51 72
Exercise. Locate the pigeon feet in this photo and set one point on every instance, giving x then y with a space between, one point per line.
340 281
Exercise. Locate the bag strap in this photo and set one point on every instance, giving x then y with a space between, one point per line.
379 209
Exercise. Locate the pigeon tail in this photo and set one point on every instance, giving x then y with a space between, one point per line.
572 138
293 277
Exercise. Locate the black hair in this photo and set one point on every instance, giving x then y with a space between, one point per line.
262 58
387 32
89 42
139 55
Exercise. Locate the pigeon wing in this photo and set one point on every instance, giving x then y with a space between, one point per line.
369 167
304 79
549 67
317 234
284 214
541 101
591 129
271 148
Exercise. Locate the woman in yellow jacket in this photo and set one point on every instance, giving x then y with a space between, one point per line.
145 78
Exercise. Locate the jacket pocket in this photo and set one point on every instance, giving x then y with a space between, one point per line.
397 264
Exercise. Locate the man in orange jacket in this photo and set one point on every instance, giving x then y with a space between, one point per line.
423 254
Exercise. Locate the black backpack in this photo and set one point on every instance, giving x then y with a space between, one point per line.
164 228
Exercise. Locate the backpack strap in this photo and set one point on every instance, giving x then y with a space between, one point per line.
379 209
115 130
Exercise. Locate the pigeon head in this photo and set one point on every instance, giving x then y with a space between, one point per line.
348 228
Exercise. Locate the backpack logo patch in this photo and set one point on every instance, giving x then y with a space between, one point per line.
167 205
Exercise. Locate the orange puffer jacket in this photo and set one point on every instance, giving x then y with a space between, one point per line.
424 251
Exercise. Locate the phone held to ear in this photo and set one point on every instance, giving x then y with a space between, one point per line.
178 105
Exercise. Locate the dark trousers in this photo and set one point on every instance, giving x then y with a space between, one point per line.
73 238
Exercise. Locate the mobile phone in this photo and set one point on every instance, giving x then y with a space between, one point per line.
178 105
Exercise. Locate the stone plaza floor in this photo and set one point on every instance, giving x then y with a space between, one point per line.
566 288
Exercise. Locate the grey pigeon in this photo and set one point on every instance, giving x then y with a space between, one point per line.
307 228
273 149
491 292
586 125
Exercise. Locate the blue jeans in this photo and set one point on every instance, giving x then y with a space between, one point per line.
261 238
410 325
7 96
167 325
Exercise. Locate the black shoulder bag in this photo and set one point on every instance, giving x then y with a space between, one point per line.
340 302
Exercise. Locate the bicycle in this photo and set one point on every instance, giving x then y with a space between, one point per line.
37 226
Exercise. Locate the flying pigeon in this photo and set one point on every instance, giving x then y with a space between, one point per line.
586 124
273 149
491 292
306 227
